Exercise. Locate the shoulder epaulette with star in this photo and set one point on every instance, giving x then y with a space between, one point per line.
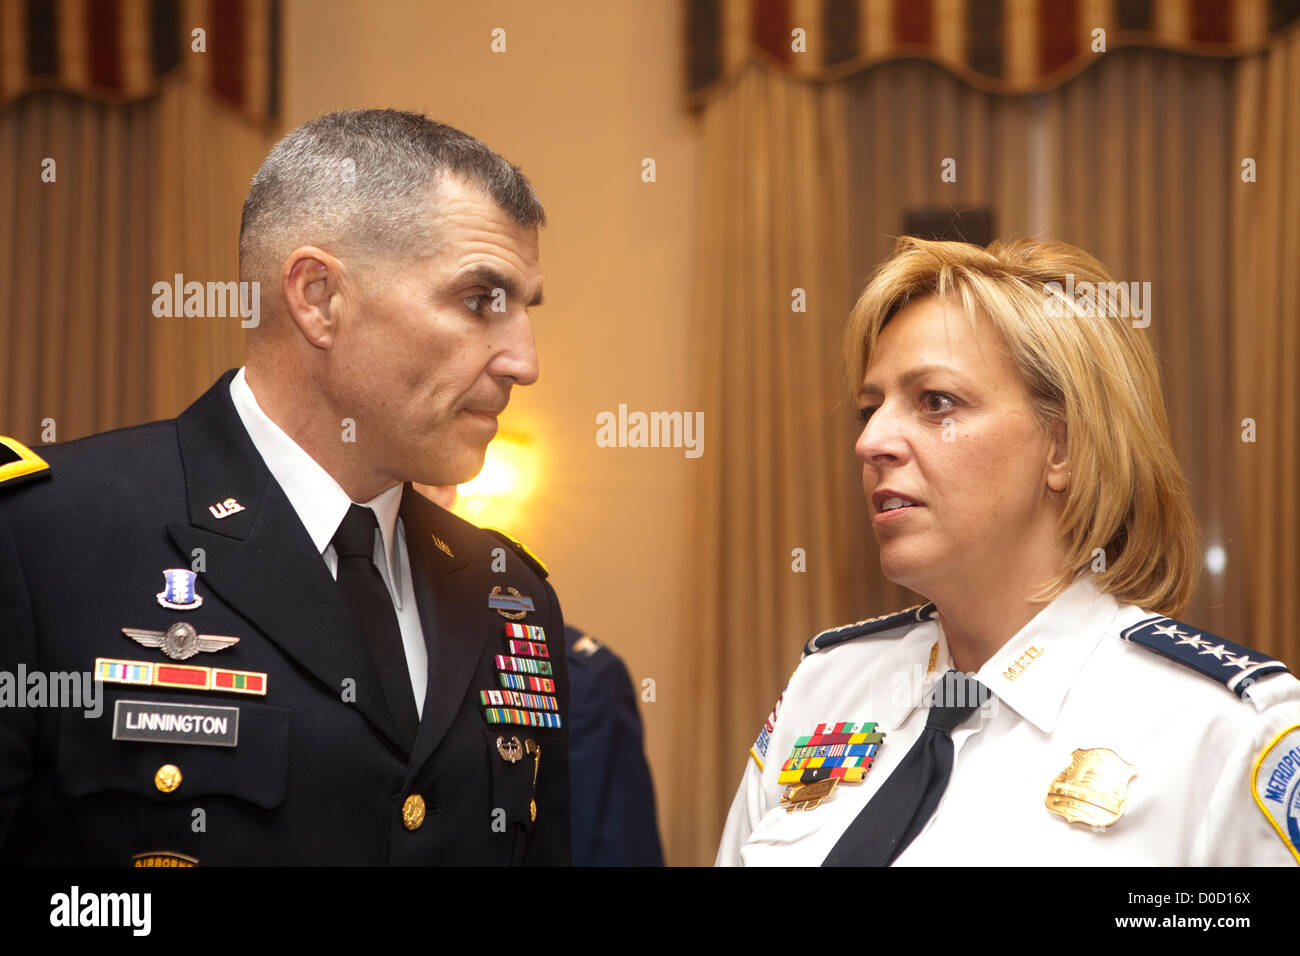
521 549
872 625
1232 665
18 462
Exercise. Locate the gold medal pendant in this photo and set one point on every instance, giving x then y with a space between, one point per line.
1093 789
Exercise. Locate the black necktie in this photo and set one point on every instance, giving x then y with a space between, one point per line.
906 801
367 597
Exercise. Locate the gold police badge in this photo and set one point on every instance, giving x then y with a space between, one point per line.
1093 789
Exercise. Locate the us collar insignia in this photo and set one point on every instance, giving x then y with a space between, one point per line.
512 605
178 591
835 752
224 509
181 641
442 545
1093 789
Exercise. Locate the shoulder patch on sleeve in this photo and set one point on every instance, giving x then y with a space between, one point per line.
521 549
1234 666
17 461
872 625
759 750
586 645
1275 783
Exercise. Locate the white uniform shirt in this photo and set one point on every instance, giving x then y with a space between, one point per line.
321 503
1067 681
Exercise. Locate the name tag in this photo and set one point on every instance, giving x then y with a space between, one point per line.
157 722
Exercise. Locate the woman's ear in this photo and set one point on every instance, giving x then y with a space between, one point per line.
1058 460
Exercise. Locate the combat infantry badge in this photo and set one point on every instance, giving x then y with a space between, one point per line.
181 641
512 605
1093 789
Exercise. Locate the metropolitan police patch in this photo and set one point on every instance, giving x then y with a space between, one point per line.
1275 783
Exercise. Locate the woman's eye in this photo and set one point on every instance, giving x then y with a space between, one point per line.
937 402
865 413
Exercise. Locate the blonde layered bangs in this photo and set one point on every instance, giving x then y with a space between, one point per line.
1085 366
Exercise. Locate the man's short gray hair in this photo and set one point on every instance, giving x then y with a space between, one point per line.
361 181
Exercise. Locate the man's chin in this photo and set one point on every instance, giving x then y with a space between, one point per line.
464 468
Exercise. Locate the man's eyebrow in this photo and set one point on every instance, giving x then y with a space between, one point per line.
910 376
491 278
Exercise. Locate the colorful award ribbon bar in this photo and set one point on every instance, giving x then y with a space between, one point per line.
525 718
528 649
184 676
835 750
523 665
511 698
799 763
847 774
527 632
524 682
845 727
819 740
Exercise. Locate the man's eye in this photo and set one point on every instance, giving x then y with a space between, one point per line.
929 400
475 303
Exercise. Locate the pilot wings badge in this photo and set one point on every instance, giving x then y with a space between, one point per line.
181 641
1093 789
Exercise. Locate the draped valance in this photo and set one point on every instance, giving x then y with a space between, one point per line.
1001 46
119 51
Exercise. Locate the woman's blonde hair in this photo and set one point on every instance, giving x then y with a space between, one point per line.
1068 330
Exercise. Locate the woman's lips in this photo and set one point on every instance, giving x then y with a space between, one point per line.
880 517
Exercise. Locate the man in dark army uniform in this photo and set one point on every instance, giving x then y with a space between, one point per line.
298 659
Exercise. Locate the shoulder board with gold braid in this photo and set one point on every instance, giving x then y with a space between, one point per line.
871 626
1232 665
521 549
19 463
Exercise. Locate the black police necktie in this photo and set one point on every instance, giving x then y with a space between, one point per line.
366 596
904 803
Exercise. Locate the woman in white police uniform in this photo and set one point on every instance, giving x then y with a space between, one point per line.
1042 709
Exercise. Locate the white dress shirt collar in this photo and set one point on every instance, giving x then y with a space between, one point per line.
316 497
1033 671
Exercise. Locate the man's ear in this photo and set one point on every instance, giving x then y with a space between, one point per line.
1058 460
311 280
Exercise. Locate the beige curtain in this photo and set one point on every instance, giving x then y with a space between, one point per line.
1136 160
142 192
1264 253
771 555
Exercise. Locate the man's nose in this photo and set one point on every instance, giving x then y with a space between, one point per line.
517 358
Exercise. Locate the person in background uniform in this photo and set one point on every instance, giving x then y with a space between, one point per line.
613 800
1044 706
300 660
613 794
